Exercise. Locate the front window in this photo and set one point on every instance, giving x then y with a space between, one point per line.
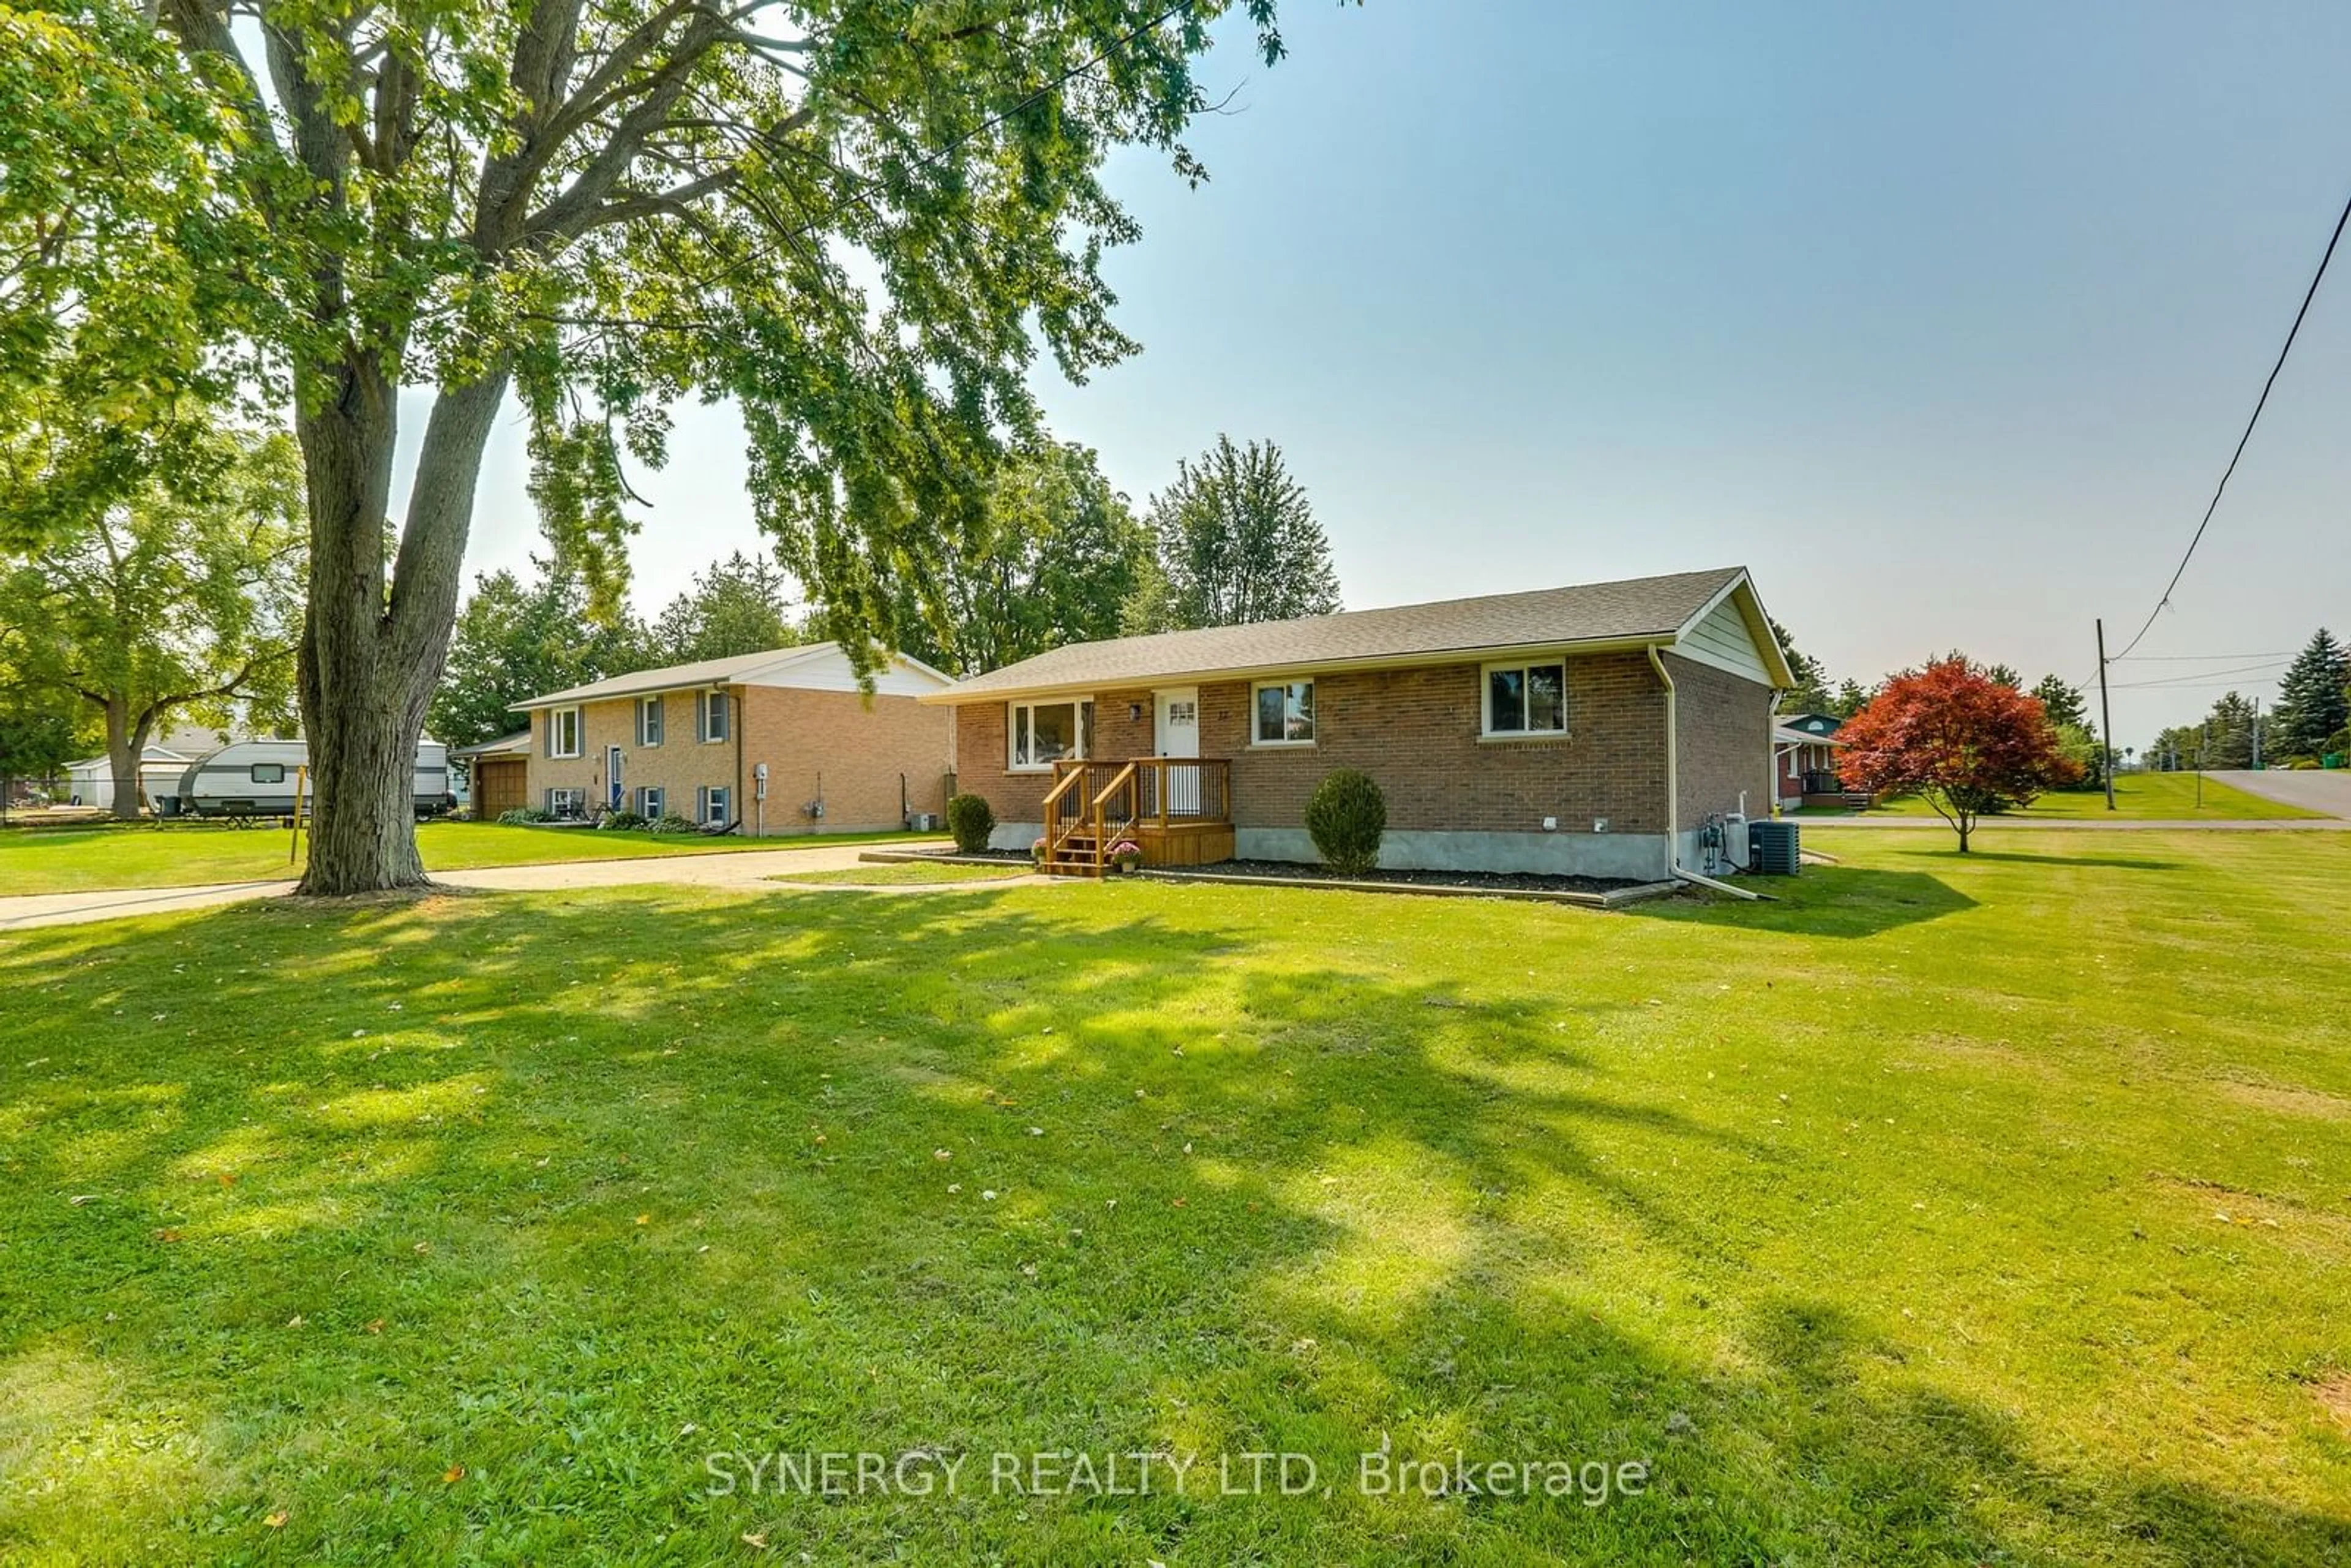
649 801
1285 714
650 718
1526 699
714 806
1044 733
566 802
563 732
711 715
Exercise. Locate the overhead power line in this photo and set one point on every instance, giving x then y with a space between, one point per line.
2260 403
2201 658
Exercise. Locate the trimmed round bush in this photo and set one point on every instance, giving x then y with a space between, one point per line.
970 818
1346 816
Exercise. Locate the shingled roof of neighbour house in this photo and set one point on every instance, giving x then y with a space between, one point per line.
1632 614
520 742
769 667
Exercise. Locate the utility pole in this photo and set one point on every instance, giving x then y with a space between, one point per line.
2106 719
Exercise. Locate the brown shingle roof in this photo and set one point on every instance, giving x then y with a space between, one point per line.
1639 608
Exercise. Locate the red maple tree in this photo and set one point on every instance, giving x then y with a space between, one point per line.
1951 733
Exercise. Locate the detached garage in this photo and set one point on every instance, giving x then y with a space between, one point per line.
498 775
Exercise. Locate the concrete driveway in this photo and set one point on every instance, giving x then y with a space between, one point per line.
2326 789
744 870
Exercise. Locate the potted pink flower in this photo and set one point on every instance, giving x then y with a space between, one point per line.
1126 854
1037 851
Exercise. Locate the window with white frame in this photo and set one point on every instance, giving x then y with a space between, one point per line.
650 719
1526 699
713 802
1284 714
563 732
650 800
710 716
565 802
1045 732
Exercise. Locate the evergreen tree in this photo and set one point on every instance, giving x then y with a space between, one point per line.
2063 702
1810 691
2311 702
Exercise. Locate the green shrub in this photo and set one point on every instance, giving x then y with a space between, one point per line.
524 816
971 819
670 822
1347 817
622 821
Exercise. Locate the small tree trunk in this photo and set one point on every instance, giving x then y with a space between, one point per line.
372 648
1966 824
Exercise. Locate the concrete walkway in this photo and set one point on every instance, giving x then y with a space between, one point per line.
744 870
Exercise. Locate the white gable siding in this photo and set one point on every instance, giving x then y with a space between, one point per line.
1723 640
829 670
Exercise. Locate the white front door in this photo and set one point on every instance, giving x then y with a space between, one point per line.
1176 729
612 770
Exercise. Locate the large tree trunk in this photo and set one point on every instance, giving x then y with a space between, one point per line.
372 645
126 744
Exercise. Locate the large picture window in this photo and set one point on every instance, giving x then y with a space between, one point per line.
563 732
1045 733
1284 714
1526 699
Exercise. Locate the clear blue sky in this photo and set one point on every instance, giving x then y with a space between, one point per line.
1942 321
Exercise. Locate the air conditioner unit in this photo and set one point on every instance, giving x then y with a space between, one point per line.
1734 840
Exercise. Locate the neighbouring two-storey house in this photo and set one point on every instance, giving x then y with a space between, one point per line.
783 741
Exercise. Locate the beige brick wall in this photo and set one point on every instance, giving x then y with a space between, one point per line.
813 742
848 748
1724 734
1414 731
680 765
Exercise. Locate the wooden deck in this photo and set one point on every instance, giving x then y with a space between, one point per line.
1176 810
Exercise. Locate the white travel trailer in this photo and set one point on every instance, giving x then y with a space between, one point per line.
258 779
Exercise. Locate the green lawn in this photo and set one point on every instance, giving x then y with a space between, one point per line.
1949 1210
78 860
905 873
2156 797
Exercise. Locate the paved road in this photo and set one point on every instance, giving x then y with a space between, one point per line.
742 871
2325 789
2085 824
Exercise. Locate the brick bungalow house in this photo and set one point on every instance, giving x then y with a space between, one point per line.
1588 730
780 742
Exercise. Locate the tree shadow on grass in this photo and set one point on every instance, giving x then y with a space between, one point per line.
2013 857
1828 901
573 1193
